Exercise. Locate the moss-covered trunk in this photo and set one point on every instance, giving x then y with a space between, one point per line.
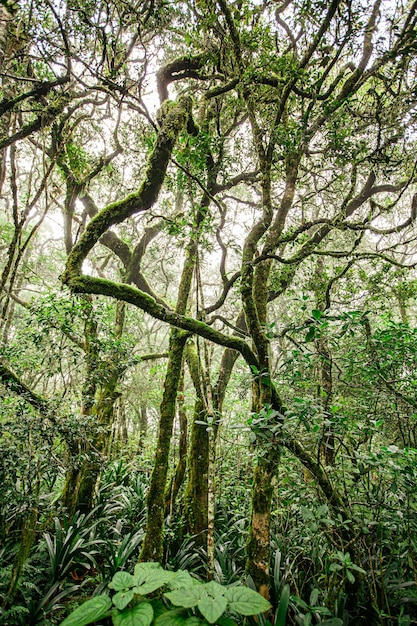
99 399
258 546
327 444
81 479
255 298
152 545
101 444
27 539
268 452
69 496
325 367
142 423
179 473
196 490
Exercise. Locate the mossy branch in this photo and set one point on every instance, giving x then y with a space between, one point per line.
172 117
44 119
140 299
42 89
13 383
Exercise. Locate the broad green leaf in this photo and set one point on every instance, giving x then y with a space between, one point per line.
122 599
246 601
300 602
214 589
334 621
186 598
138 615
142 570
212 608
121 581
282 609
152 583
148 579
176 617
317 314
321 610
322 510
89 612
334 567
181 579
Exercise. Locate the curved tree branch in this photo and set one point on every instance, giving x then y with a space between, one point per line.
12 382
173 118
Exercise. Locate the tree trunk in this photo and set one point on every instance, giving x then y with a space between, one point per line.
143 424
152 549
258 546
152 544
179 474
325 390
99 400
27 539
197 487
196 490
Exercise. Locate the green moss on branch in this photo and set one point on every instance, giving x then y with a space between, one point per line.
14 384
127 293
173 118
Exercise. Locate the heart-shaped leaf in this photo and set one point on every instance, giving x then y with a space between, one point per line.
121 581
180 579
246 601
148 579
186 598
122 599
214 589
212 608
89 612
138 615
176 617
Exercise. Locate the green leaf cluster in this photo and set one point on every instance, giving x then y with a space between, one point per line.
196 603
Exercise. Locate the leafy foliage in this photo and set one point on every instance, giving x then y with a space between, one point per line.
266 211
210 600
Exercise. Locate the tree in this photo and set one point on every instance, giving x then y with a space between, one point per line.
284 132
